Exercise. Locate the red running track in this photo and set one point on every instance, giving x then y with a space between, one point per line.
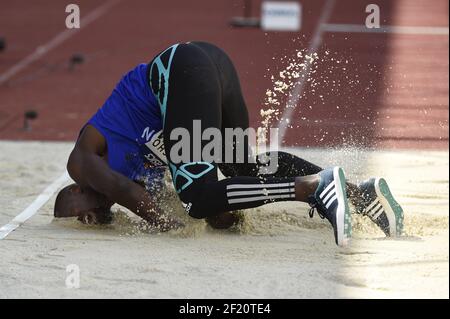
393 92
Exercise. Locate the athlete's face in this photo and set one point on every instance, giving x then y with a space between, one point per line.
73 201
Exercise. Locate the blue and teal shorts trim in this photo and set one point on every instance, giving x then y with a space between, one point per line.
182 176
159 75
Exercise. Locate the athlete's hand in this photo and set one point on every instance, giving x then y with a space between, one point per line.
97 216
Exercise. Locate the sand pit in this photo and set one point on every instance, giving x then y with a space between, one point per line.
278 251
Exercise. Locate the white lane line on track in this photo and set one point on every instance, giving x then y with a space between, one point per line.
297 90
34 207
57 40
360 28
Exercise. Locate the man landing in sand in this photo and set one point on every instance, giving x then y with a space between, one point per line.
123 150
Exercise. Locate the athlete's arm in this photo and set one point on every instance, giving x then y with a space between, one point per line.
88 168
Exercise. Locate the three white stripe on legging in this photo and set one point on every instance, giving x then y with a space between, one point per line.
258 192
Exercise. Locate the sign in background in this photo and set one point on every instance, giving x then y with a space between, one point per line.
281 16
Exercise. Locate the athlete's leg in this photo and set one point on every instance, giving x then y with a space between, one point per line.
194 93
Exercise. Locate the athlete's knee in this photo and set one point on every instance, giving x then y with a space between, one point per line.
198 213
202 200
195 182
196 203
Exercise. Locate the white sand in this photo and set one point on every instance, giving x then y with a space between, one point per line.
278 253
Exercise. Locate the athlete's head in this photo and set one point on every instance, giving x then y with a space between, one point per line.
87 205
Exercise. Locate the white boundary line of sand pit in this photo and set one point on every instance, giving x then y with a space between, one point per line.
296 92
53 43
34 207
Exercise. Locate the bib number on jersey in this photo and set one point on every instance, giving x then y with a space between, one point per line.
154 152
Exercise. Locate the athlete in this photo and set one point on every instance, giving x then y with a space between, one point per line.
123 150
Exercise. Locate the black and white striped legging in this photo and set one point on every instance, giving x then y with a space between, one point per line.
244 188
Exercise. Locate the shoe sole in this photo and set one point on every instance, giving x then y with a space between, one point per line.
394 211
343 216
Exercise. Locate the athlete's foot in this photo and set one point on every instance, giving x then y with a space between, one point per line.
381 207
330 201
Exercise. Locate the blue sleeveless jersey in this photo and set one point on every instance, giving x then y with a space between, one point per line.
131 122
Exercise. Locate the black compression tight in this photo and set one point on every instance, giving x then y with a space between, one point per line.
197 81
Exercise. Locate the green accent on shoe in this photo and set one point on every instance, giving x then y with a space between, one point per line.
347 216
396 208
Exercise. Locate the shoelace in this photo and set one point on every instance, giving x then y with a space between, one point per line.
314 207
